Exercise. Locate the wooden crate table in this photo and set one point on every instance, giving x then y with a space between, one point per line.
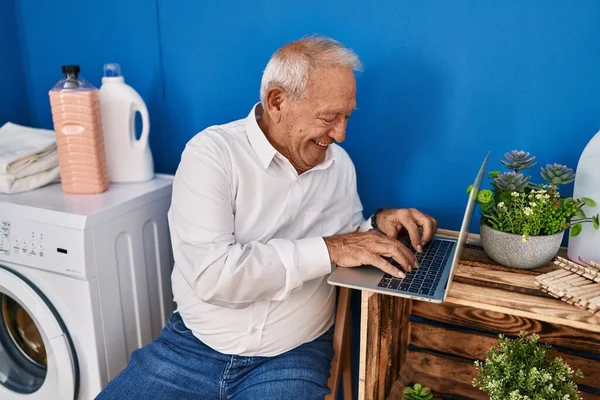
406 341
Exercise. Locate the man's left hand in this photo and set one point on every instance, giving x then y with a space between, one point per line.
392 221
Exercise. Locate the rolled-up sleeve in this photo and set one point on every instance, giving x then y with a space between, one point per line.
218 269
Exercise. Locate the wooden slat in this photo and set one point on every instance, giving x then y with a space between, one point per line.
456 374
498 279
512 290
543 309
496 322
484 296
339 339
405 378
447 375
442 387
589 396
475 346
347 360
362 365
386 343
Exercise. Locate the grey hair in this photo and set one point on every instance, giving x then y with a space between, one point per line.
290 66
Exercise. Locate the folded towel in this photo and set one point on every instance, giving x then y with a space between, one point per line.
22 146
28 158
10 184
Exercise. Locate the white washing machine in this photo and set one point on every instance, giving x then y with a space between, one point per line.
84 281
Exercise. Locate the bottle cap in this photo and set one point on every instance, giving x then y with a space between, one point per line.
112 70
70 69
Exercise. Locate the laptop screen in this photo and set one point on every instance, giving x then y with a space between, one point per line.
466 223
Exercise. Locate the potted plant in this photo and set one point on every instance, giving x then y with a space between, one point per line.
417 392
523 369
523 223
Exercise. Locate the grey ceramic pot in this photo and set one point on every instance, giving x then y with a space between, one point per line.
509 249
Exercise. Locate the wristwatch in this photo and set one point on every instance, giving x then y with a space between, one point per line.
374 218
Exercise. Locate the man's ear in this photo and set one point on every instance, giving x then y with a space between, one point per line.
275 99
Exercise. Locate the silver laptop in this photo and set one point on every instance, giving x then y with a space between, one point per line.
438 261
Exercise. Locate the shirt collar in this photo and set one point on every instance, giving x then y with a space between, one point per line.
265 151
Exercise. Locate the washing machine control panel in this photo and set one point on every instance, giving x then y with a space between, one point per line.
42 246
5 237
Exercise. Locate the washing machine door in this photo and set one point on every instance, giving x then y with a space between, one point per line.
37 358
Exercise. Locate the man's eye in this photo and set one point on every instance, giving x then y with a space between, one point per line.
328 120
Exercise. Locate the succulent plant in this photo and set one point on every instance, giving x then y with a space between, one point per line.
518 160
558 174
517 205
511 181
417 392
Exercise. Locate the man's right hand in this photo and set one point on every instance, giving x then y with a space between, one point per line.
369 248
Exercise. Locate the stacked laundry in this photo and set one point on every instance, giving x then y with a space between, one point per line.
28 158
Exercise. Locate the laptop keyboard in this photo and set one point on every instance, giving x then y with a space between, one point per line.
425 279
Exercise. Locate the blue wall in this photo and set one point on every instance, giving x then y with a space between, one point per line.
444 81
13 92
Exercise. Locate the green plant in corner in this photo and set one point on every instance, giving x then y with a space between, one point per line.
416 392
522 369
517 205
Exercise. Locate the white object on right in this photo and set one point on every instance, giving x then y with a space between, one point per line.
587 184
127 159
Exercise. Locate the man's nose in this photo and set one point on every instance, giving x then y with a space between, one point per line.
338 132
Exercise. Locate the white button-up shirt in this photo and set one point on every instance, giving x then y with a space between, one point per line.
251 265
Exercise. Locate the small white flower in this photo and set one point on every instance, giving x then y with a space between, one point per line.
515 194
532 204
524 239
538 196
501 204
527 211
546 196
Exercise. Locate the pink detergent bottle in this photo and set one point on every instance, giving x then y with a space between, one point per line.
78 130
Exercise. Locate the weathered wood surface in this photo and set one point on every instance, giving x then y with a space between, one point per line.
485 299
341 365
494 322
457 374
474 346
386 344
451 376
481 283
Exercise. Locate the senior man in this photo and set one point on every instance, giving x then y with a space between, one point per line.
263 208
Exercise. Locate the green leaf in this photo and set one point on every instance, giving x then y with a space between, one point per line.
575 230
588 202
428 397
596 221
407 390
580 213
425 390
417 388
494 174
505 197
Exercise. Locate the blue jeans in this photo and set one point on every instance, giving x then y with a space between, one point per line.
178 366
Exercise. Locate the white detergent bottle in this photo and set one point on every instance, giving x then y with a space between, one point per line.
586 246
128 159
